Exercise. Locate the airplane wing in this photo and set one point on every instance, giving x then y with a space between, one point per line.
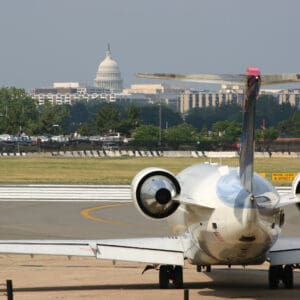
288 199
285 251
146 250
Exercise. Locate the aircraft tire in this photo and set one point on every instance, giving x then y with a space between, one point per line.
163 277
288 277
178 277
275 274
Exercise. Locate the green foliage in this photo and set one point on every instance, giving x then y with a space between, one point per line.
53 119
183 133
270 134
147 133
18 111
85 130
150 114
108 118
207 116
118 118
265 138
291 126
269 109
227 131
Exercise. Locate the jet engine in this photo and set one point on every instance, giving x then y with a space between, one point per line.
153 191
296 186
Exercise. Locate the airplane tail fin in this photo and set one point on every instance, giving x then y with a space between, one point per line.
253 80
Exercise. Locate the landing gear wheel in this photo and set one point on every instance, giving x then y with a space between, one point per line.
178 277
208 268
288 277
275 274
163 277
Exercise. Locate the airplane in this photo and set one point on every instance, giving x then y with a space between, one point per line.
219 215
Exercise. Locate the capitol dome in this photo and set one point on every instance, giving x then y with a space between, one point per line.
108 74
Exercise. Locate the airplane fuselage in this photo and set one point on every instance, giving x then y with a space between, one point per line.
226 225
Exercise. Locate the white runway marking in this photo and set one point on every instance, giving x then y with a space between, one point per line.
74 193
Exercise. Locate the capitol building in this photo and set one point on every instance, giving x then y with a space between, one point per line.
108 74
108 86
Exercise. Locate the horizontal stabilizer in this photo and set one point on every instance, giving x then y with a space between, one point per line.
280 79
269 79
205 78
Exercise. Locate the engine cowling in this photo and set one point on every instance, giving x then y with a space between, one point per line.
153 191
296 186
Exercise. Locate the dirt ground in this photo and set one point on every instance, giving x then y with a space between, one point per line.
49 277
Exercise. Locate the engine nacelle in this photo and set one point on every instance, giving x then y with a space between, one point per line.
296 186
153 191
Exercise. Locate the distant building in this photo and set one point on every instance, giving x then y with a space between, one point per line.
198 99
290 96
108 74
156 93
68 93
108 86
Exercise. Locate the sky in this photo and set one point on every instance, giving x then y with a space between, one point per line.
46 41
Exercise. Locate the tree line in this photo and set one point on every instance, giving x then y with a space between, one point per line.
146 123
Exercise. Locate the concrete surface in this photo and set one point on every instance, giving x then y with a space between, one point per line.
49 277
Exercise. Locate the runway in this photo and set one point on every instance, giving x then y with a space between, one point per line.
84 212
101 212
72 212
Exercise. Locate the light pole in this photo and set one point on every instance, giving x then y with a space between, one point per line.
159 119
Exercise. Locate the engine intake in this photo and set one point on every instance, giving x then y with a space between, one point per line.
153 191
296 186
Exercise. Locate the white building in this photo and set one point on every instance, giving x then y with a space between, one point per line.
108 74
68 93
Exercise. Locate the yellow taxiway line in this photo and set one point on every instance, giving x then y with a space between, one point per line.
87 213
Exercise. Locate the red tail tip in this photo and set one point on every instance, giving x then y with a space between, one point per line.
254 71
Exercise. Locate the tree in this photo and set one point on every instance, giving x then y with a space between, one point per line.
269 110
85 130
108 118
130 120
147 134
266 137
180 134
53 119
291 126
270 134
18 111
227 131
150 114
207 116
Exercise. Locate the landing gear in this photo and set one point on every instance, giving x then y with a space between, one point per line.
170 273
274 276
208 268
288 277
277 273
164 277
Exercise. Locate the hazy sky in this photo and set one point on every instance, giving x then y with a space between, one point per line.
43 41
